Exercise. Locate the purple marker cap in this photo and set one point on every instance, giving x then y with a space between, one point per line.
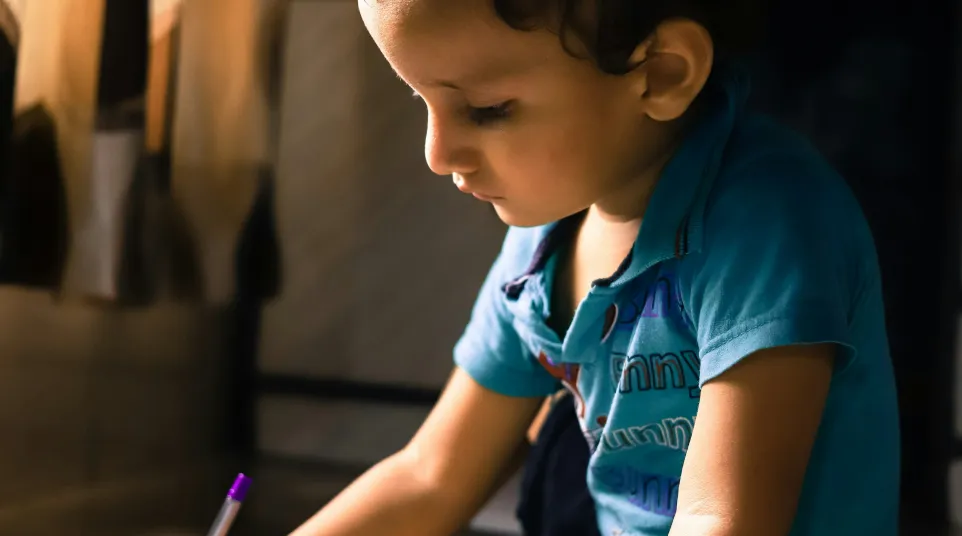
239 490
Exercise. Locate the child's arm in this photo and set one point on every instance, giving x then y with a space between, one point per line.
436 484
750 447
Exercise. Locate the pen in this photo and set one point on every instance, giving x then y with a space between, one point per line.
231 506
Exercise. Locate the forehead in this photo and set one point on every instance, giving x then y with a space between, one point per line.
454 42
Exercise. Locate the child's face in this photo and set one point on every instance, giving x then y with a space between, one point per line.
512 116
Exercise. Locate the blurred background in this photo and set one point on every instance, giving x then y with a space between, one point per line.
221 250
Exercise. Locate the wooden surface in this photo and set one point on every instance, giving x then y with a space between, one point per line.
184 503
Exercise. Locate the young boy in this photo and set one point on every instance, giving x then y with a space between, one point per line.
699 279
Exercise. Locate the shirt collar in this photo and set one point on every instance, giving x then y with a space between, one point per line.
673 223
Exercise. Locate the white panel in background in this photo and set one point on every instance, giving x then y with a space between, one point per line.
498 516
97 239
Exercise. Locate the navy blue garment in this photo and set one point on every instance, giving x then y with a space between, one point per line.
555 500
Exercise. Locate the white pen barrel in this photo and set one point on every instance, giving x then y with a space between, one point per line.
225 518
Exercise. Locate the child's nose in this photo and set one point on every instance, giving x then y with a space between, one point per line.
447 150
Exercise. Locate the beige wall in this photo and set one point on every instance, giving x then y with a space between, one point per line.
382 259
17 7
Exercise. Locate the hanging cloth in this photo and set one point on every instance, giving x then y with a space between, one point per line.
33 205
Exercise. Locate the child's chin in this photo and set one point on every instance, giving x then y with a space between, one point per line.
519 218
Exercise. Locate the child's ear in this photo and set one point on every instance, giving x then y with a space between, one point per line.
671 67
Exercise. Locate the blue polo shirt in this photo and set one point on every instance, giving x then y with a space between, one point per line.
750 241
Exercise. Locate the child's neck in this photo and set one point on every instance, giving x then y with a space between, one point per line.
626 204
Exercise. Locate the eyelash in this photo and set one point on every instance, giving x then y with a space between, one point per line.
489 114
486 115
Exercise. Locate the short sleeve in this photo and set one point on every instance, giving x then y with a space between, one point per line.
780 254
490 350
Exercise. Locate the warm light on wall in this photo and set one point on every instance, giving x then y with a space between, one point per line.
163 15
17 7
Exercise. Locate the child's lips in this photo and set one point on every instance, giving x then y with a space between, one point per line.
464 187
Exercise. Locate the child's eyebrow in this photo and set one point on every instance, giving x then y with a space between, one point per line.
480 78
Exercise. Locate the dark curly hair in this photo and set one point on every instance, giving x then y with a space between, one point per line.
621 25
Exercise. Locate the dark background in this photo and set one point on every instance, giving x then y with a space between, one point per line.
875 86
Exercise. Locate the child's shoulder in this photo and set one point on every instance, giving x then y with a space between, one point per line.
766 164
